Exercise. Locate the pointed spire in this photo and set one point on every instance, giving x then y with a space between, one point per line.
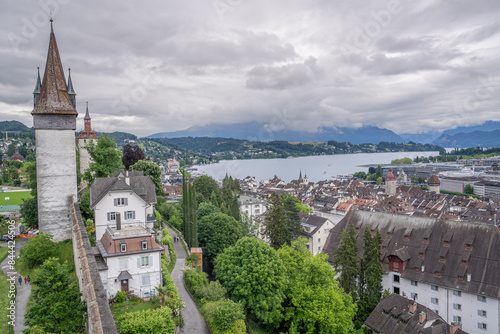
54 97
300 175
38 87
87 115
71 91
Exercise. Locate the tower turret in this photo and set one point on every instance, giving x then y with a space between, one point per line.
38 88
71 91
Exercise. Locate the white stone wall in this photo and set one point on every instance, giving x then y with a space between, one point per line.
56 180
447 299
106 204
84 155
129 263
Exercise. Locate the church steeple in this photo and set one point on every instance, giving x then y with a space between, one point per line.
71 91
87 132
54 97
38 88
87 120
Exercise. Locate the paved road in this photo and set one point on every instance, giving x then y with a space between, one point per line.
193 320
23 290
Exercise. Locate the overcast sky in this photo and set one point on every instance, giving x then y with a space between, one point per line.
162 65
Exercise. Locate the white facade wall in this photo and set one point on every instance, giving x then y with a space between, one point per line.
318 240
56 180
107 204
447 304
130 263
252 209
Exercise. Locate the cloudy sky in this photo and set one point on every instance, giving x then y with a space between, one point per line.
163 65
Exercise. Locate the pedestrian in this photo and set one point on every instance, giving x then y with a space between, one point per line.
25 280
20 279
29 280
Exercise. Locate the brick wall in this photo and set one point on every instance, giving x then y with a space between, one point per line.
99 317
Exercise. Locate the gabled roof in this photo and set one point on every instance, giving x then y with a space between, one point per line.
312 221
54 98
140 184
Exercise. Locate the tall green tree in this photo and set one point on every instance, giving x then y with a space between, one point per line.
292 216
57 300
208 187
216 232
370 293
106 159
254 275
346 262
189 213
29 207
314 302
152 170
276 227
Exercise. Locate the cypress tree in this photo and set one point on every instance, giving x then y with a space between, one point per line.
193 216
346 261
292 216
276 226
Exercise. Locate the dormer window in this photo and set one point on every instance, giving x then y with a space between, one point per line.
437 273
442 259
447 238
426 240
144 244
468 246
123 246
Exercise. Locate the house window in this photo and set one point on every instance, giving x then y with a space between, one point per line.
481 325
395 279
319 240
434 300
434 288
111 216
395 289
144 261
481 299
457 307
457 293
414 296
257 211
144 244
121 201
129 215
414 283
123 247
457 318
481 313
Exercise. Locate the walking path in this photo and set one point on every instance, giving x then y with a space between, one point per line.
23 290
193 320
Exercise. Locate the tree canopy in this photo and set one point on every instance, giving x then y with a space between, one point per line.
276 227
106 159
132 154
314 302
152 170
346 261
254 275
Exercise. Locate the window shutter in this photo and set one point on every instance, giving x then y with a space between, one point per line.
138 262
126 201
133 214
109 216
116 201
151 260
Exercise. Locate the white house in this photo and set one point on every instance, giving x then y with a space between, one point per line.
450 267
316 230
129 259
251 206
131 195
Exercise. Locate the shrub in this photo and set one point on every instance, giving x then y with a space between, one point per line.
195 280
120 296
38 249
225 316
214 292
147 321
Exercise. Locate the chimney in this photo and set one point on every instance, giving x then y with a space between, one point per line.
469 277
413 307
118 222
421 317
455 326
127 178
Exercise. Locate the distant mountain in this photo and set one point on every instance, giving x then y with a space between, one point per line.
260 132
470 139
488 126
423 138
14 126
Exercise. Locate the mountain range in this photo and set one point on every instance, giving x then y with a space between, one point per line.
485 135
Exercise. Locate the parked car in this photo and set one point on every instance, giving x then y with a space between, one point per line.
6 237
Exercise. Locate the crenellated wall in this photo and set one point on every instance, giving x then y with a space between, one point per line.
99 317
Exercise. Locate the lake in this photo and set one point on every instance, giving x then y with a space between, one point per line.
316 168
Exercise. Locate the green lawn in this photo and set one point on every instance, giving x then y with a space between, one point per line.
15 198
117 311
4 291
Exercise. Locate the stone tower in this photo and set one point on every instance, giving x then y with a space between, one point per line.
390 184
85 136
54 120
434 184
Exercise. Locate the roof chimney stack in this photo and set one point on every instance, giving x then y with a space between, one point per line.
413 307
127 178
118 222
421 317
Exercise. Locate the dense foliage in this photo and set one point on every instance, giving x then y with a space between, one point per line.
106 159
38 249
147 321
131 155
153 171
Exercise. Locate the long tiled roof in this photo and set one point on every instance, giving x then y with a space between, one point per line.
439 252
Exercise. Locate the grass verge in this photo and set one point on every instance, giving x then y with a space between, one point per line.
15 198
